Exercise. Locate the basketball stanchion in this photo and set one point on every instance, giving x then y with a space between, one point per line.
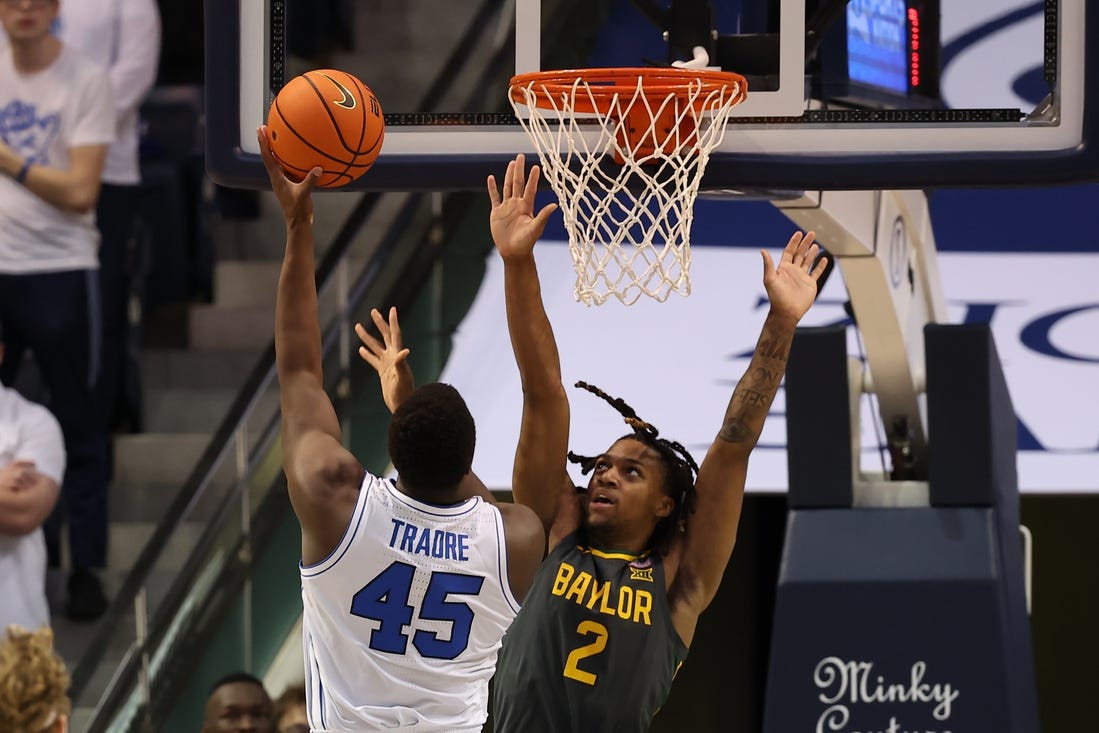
896 614
625 149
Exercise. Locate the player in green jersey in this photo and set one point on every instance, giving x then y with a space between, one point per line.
637 556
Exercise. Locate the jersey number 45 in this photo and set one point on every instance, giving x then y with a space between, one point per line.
385 600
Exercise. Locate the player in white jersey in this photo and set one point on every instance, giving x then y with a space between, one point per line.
447 565
408 585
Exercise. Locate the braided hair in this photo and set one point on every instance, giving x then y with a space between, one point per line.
681 467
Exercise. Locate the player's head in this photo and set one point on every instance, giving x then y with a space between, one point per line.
238 703
290 707
642 485
33 697
431 439
28 20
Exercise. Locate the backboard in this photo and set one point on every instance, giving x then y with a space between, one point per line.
865 94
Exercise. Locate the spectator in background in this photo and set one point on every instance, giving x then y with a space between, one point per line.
32 461
290 715
238 703
56 121
33 696
122 36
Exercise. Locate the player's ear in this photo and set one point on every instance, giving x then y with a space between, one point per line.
666 506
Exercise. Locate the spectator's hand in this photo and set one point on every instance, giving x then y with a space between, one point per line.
17 476
10 161
295 197
514 226
792 286
389 358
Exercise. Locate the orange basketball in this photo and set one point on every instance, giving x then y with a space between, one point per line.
326 118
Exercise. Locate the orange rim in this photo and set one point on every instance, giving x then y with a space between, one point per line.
603 85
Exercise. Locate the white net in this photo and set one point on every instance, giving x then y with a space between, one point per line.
625 161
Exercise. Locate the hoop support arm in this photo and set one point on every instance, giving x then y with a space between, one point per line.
885 247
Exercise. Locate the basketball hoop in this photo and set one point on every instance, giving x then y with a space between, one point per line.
629 222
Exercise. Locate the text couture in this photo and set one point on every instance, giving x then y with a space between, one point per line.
844 684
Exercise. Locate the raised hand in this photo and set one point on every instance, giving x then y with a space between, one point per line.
389 358
295 197
515 228
792 286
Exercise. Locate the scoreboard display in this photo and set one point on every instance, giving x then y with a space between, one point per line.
882 53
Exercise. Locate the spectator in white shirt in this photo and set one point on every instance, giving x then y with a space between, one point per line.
32 462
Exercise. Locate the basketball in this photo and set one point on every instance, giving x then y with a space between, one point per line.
326 118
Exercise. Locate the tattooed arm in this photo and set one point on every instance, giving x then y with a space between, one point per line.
711 531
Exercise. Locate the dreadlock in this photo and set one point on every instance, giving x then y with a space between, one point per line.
681 467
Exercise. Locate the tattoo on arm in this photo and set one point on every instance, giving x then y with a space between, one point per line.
767 377
733 430
773 349
748 396
757 388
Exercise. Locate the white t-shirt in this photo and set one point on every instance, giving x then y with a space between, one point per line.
42 116
122 36
28 432
403 621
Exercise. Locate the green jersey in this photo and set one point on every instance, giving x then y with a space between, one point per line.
593 648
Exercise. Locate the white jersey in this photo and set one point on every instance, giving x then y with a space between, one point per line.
403 621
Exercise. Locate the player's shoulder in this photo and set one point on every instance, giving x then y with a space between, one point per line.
522 527
519 518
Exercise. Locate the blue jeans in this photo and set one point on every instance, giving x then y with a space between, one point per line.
56 316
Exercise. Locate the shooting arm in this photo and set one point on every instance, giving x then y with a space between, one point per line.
323 477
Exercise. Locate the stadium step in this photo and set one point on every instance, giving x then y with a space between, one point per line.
162 458
179 410
176 369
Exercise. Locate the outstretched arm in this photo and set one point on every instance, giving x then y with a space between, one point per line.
711 528
323 477
539 472
389 357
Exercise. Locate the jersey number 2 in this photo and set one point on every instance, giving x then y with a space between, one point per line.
385 599
572 670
